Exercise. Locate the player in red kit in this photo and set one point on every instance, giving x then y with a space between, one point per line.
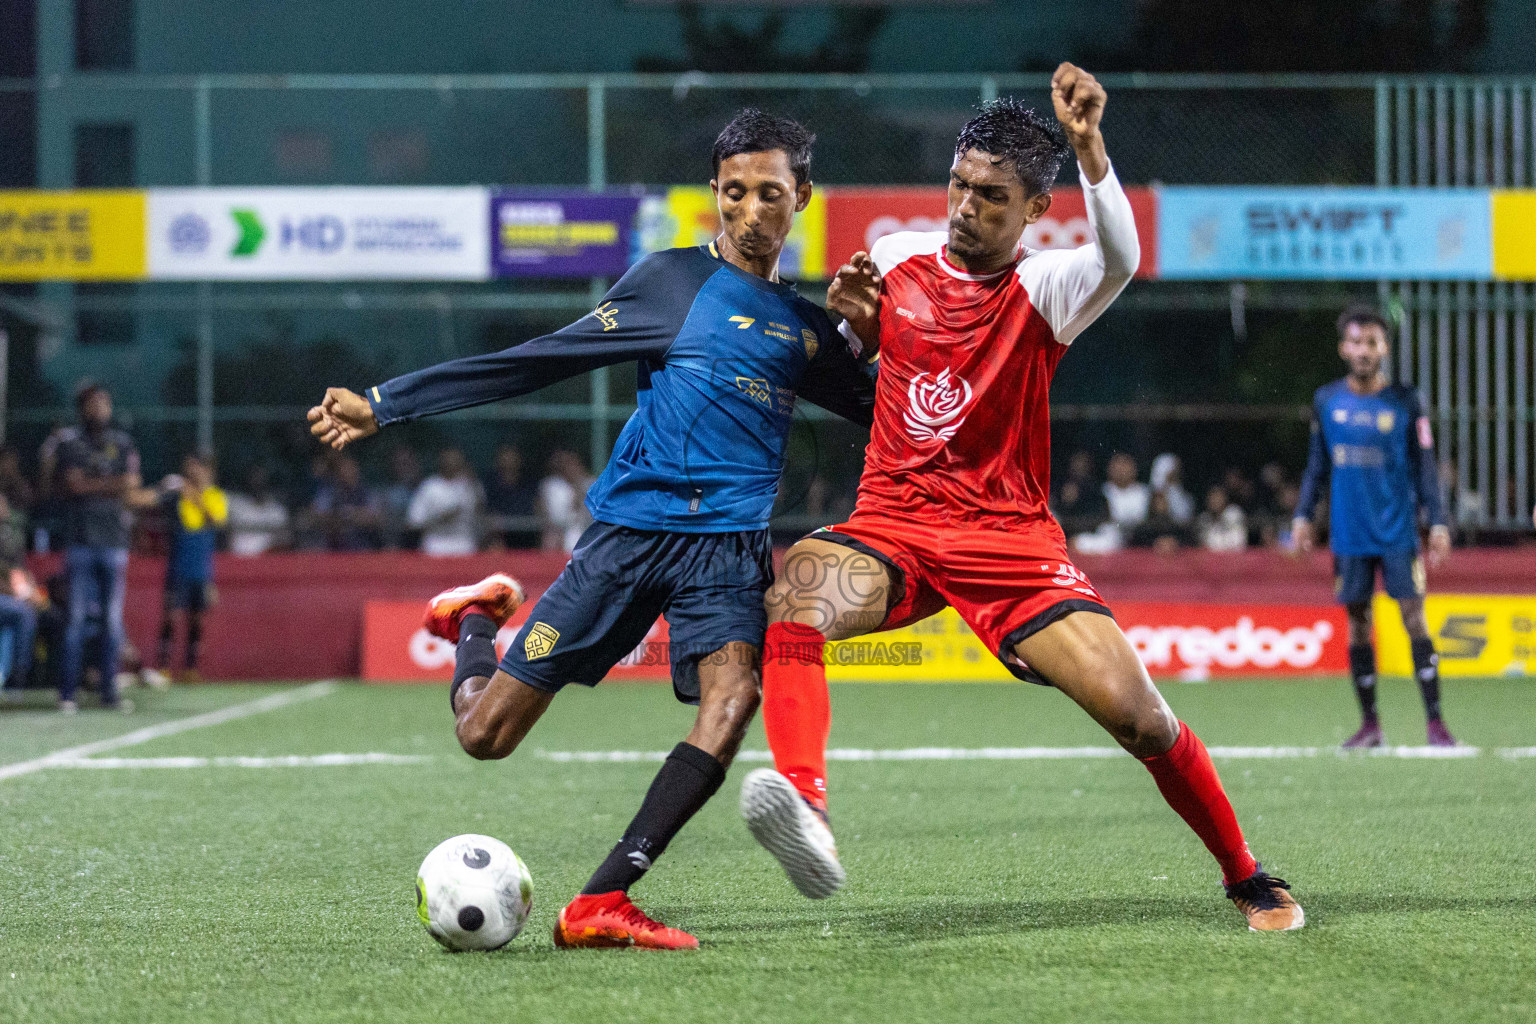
952 505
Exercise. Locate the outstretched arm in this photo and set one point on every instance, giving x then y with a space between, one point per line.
637 319
1071 287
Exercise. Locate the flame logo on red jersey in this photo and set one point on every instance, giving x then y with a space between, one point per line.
936 406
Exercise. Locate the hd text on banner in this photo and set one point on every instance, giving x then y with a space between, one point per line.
324 234
1221 233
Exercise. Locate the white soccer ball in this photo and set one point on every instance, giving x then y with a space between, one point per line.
473 892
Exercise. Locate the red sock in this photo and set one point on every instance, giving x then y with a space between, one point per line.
797 709
1188 781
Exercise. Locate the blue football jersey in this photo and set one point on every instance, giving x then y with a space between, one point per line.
1376 453
722 356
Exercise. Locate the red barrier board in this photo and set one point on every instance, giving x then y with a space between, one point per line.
857 217
396 649
1196 641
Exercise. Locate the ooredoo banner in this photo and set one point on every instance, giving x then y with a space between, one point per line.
325 234
858 217
1187 641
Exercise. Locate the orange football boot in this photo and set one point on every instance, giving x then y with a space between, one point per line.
497 597
609 920
1266 903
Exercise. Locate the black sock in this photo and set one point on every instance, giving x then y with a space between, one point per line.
194 639
476 653
1426 669
1362 669
167 634
686 781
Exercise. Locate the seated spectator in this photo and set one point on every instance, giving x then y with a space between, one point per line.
510 496
1222 526
1080 504
258 521
1240 489
1168 480
446 507
345 512
395 499
1128 497
1160 530
561 501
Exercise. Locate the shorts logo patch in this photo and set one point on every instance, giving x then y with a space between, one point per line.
540 640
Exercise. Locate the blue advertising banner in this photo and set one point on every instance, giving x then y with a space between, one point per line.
1222 233
538 233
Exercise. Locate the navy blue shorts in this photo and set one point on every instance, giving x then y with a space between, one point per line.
189 594
710 587
1354 576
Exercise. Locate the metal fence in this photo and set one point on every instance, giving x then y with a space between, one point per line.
601 130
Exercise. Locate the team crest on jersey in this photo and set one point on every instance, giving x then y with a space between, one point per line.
936 406
1384 421
540 640
812 343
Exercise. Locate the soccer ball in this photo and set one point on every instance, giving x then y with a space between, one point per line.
473 892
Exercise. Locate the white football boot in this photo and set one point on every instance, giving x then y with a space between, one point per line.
787 827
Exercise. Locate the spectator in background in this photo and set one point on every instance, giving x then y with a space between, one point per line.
14 488
446 507
1222 526
562 495
1080 504
20 597
258 520
97 474
395 499
197 510
1160 530
509 495
1128 497
345 511
1240 490
1167 479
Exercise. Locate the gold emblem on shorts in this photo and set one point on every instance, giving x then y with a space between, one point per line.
540 640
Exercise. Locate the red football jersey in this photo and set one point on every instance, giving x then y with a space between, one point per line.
962 408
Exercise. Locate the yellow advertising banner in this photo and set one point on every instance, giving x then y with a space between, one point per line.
72 236
940 649
692 212
1476 635
1514 234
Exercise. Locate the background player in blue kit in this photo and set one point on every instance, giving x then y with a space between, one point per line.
1371 443
681 511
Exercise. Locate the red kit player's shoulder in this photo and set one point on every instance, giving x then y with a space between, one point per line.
892 250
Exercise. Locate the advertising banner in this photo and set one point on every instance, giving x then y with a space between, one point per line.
561 234
1475 635
688 216
1514 234
857 217
1324 233
319 234
71 236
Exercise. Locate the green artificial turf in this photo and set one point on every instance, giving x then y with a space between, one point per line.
978 890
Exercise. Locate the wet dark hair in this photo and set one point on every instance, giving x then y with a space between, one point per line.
1013 133
1363 313
752 131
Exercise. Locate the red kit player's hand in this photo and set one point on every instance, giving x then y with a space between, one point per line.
854 294
1079 101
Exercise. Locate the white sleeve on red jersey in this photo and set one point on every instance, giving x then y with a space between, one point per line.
890 250
1071 287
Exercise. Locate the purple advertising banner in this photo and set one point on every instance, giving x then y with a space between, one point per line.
538 233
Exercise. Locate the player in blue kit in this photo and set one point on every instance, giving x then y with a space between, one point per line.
1371 443
681 511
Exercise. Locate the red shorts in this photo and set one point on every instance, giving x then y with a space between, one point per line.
1006 584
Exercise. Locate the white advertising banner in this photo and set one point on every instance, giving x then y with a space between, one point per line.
324 234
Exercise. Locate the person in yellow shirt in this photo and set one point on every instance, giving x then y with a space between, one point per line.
197 510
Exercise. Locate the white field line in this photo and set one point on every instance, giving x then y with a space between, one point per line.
289 761
1053 754
172 728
